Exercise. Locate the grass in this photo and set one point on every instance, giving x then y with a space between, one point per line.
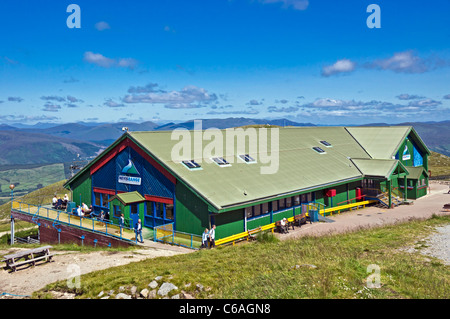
270 268
439 164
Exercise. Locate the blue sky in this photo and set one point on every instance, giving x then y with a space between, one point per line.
305 60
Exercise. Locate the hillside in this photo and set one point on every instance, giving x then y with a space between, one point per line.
17 147
439 165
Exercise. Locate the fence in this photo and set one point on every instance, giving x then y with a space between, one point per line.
166 234
102 226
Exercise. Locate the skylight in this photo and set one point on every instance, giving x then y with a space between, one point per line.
319 150
220 161
191 164
326 143
247 158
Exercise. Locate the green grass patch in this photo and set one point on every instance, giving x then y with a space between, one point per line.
311 267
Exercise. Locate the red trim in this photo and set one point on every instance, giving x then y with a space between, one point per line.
158 199
104 191
123 145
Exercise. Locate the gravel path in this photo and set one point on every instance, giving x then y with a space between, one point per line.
439 244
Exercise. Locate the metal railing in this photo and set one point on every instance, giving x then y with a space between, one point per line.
106 227
166 234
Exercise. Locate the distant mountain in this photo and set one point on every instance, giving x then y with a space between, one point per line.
229 122
18 147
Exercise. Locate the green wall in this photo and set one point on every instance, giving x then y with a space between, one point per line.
82 189
191 213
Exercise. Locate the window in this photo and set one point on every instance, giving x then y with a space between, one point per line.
159 210
296 200
133 209
247 158
288 202
117 211
249 212
319 150
169 211
265 208
191 164
256 210
97 200
101 199
149 209
220 161
325 143
281 204
275 205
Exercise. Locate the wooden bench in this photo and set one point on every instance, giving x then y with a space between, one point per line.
30 257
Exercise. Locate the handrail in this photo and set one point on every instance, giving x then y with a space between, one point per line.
358 197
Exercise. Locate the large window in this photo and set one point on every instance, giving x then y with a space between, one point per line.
101 199
117 211
133 209
169 211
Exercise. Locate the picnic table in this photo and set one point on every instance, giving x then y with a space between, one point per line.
30 256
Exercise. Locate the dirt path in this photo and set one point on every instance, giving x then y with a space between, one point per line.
27 280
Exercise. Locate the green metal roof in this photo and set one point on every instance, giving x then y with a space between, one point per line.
299 168
415 172
380 141
376 167
129 198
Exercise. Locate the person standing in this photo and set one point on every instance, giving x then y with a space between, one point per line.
138 230
121 223
212 237
205 238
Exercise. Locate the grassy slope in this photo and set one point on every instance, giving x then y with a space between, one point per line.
439 164
264 270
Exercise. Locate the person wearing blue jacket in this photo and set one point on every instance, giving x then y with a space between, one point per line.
138 231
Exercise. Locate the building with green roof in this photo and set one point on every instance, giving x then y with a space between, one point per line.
240 179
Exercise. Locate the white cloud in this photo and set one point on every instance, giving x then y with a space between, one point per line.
102 25
105 62
295 4
402 62
340 66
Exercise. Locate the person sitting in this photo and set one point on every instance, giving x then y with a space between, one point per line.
78 211
66 199
284 228
54 201
102 215
59 203
85 208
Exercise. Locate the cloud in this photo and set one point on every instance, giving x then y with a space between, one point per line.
102 25
183 106
446 97
295 4
340 66
254 102
402 62
104 62
15 99
409 97
149 88
111 103
180 99
290 109
50 107
71 80
26 119
73 99
169 29
248 111
53 98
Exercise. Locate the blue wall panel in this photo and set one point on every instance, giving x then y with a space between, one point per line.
153 182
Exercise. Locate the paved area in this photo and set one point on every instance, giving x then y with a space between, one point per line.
421 208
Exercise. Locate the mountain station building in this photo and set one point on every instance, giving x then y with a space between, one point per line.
137 176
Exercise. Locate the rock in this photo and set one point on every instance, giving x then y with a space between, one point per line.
158 278
177 296
101 293
121 288
133 290
166 288
185 295
187 285
152 294
144 293
121 295
199 287
111 292
153 284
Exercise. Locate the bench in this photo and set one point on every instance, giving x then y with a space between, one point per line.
30 257
301 219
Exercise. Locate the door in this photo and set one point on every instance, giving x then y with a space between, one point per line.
134 213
